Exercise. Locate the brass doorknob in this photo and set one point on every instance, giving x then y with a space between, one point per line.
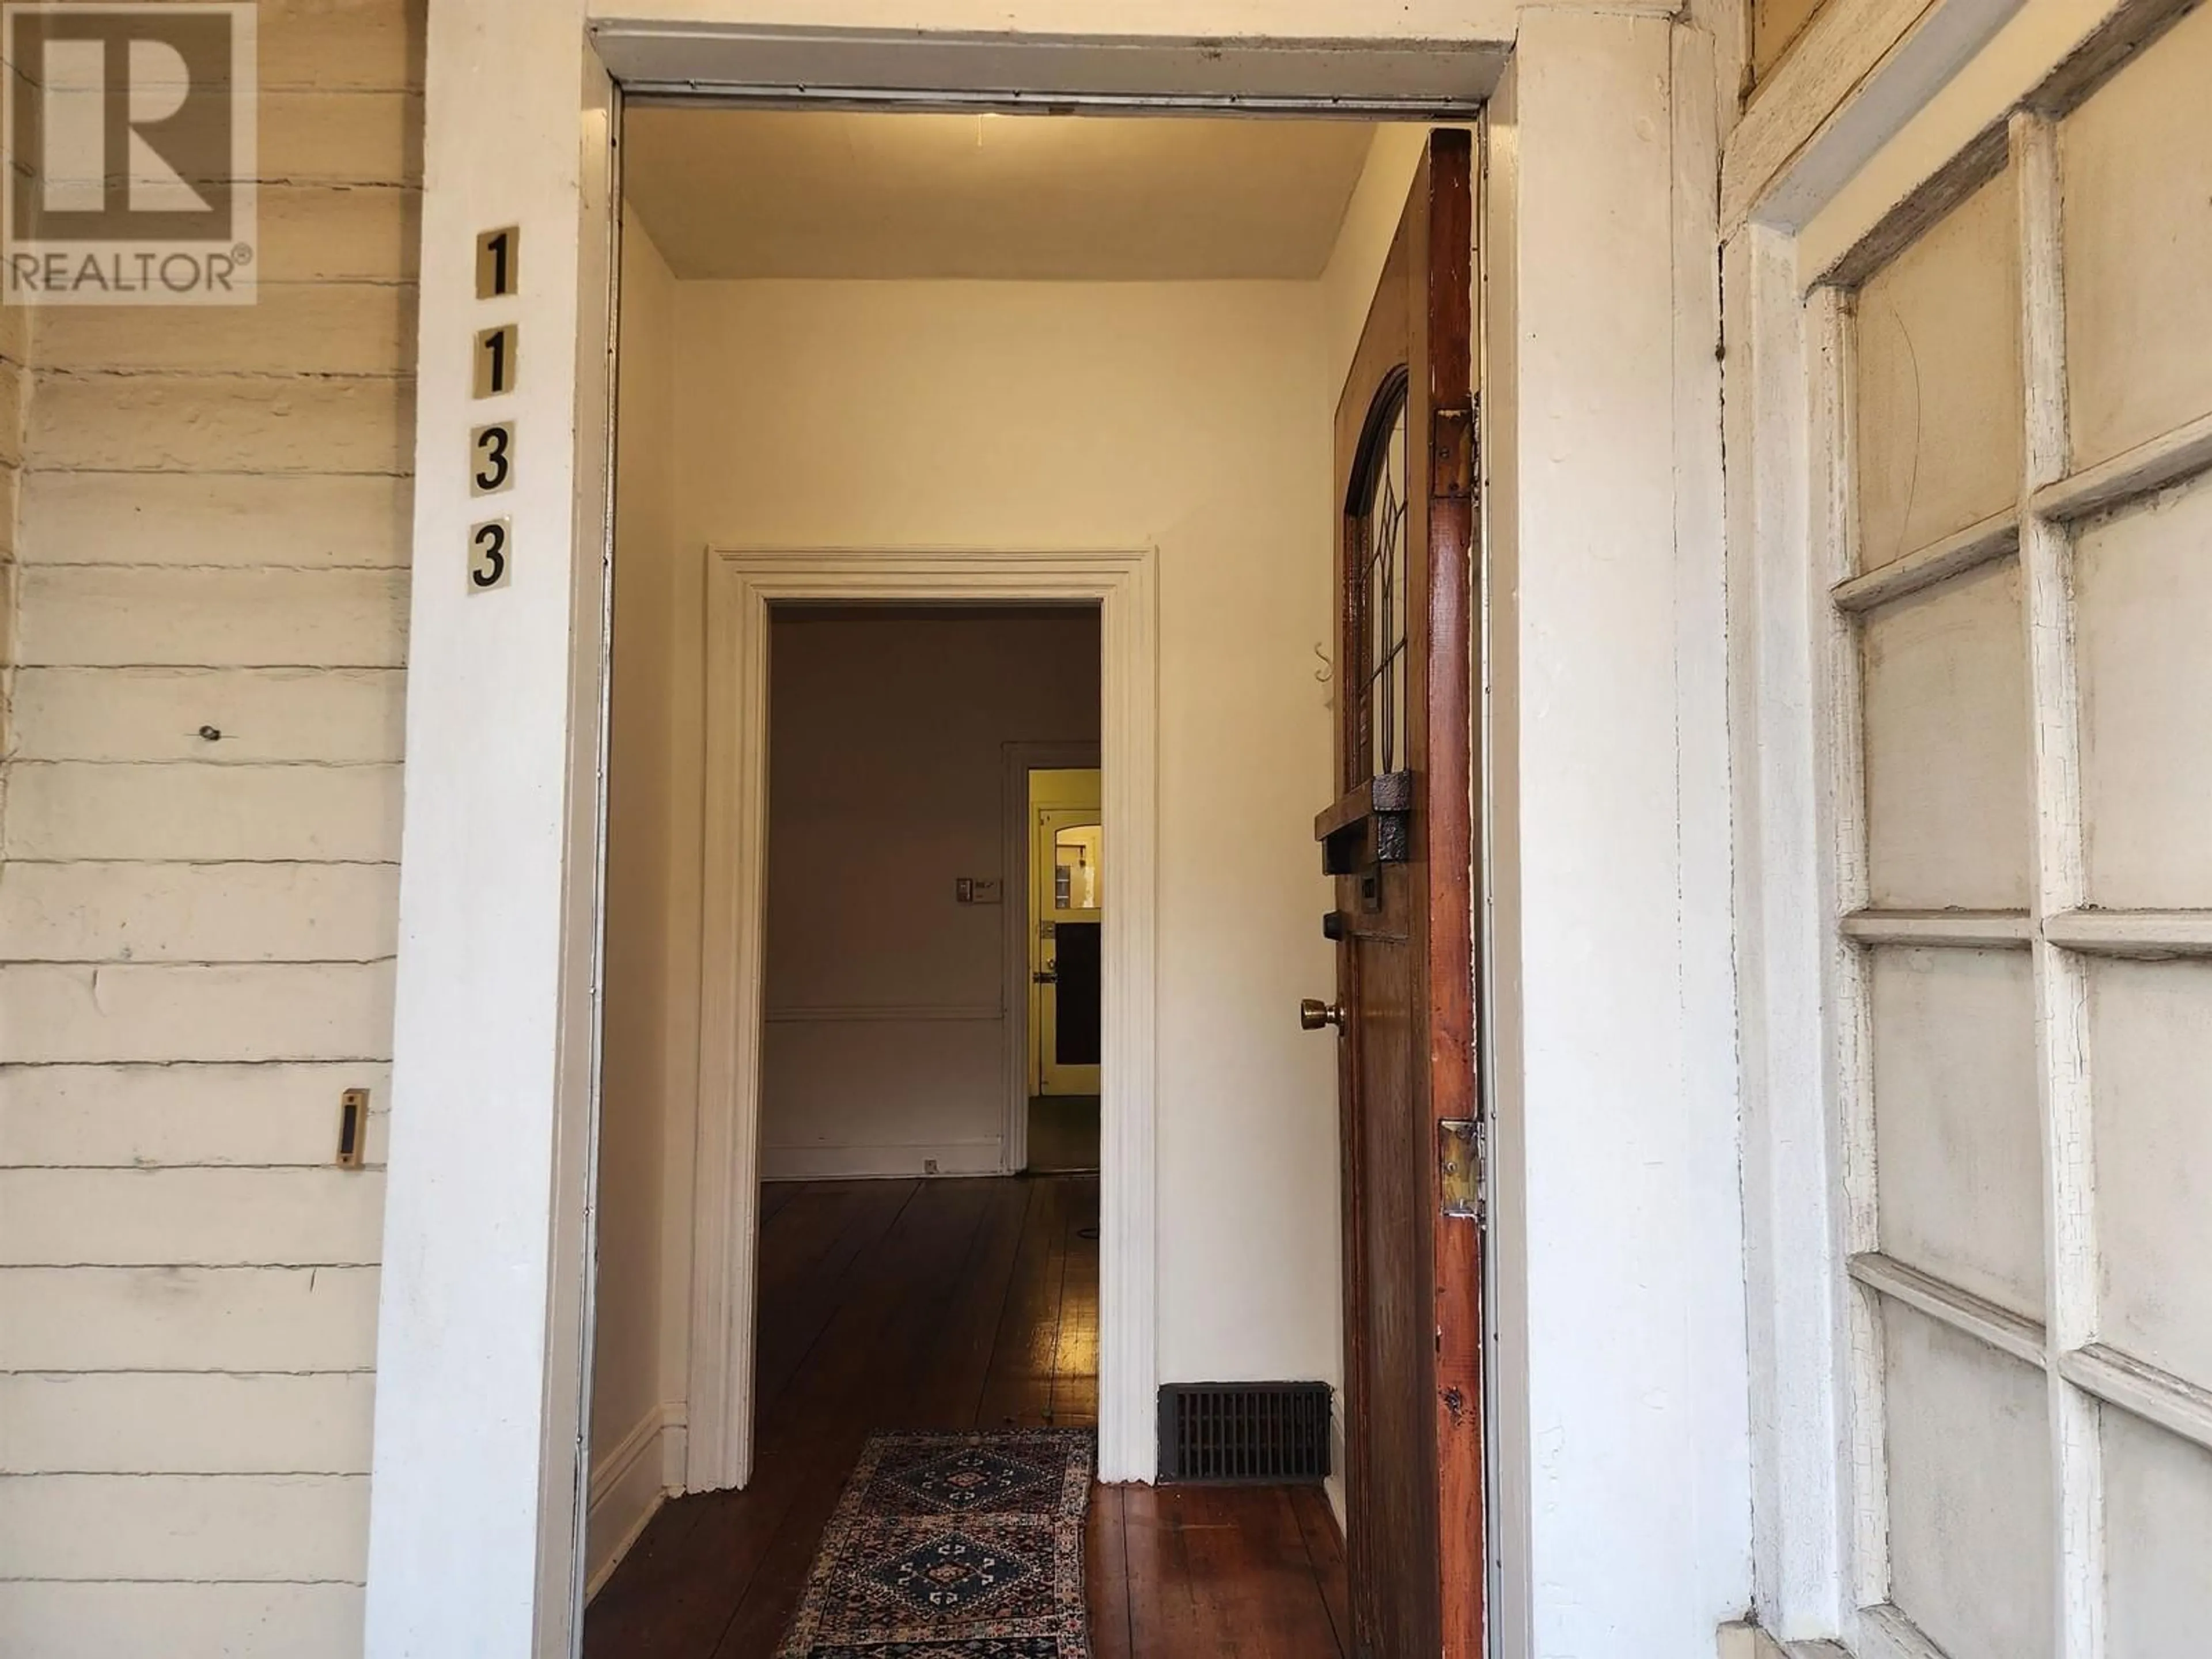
1315 1015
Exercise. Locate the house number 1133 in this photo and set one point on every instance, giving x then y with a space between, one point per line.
497 361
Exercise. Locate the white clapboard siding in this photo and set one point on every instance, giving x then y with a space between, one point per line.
76 1012
181 1116
235 913
245 519
321 135
220 423
16 333
60 809
11 402
248 1527
329 328
331 45
332 716
105 615
185 1422
338 233
57 1619
188 1319
197 912
203 1218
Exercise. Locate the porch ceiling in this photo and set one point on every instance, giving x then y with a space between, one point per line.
840 193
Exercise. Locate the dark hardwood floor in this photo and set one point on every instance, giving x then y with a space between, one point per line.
954 1304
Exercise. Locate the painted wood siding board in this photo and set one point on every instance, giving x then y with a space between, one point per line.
77 1013
118 618
221 423
198 931
330 716
200 1217
325 328
277 1528
183 1115
326 135
63 1620
338 45
64 809
339 233
247 520
11 496
184 1423
12 387
198 913
187 1318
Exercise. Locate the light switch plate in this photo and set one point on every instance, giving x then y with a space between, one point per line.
979 890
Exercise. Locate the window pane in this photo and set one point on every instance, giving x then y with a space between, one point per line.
1387 601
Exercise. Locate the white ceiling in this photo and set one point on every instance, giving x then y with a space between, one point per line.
833 193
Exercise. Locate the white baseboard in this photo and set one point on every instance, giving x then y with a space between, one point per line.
886 1163
675 1447
629 1481
1333 1488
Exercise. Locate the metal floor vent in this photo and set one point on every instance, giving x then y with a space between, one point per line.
1229 1432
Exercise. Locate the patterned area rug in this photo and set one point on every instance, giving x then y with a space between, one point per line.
955 1545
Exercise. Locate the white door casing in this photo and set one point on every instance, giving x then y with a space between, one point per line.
482 1318
1017 760
741 585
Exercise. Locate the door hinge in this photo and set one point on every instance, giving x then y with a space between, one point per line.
1462 1172
1451 453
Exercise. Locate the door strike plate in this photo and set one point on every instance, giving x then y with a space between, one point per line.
1459 1167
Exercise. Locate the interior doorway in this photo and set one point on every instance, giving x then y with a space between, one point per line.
824 1088
1067 902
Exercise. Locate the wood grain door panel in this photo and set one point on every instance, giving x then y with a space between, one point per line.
1405 468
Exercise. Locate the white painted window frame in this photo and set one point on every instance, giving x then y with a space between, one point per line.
1859 180
741 587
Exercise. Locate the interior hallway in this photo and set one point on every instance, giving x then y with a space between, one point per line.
1064 1134
948 1304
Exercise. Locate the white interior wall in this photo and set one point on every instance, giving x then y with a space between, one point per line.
886 997
634 1402
1363 238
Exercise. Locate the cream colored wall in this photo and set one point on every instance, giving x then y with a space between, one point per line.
886 1015
1363 241
199 932
630 1385
1195 416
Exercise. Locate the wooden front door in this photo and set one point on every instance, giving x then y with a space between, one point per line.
1400 842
